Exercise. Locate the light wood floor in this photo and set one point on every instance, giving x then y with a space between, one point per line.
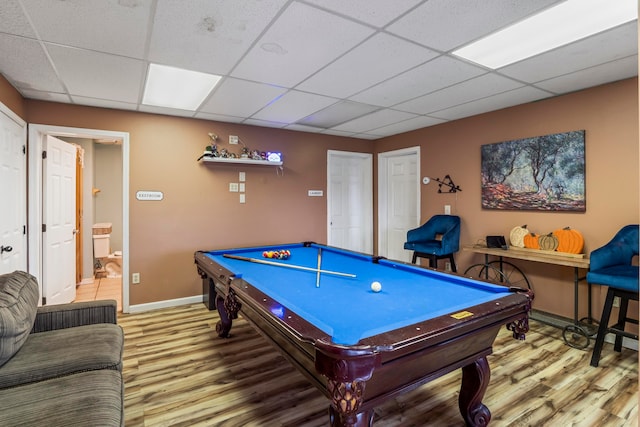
178 372
101 288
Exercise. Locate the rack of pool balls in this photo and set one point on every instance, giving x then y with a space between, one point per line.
281 254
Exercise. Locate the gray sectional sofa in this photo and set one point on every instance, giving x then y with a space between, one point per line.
60 365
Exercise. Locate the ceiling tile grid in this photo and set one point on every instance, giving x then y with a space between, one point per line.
361 68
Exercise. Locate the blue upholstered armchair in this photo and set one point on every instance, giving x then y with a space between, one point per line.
436 239
611 265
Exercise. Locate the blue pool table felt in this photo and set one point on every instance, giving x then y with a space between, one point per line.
346 308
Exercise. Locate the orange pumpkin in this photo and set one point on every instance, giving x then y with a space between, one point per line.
531 241
569 240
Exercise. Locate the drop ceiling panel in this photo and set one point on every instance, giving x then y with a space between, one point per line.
598 49
166 111
102 103
507 99
98 75
265 123
13 20
379 58
219 117
374 12
208 36
46 96
446 24
617 70
29 67
337 113
375 120
302 40
293 106
114 26
240 98
438 73
467 91
407 125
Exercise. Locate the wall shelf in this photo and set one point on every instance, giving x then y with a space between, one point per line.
240 161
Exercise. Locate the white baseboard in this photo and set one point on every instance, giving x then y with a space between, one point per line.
87 281
139 308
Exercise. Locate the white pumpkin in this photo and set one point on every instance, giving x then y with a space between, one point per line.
516 236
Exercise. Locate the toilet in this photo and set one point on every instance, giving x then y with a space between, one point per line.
107 264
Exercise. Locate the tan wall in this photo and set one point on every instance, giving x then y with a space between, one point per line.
198 212
10 97
608 113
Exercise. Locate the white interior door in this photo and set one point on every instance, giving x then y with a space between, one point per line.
59 217
13 193
398 201
350 201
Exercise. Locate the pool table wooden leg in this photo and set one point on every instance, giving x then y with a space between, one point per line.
228 308
347 396
475 380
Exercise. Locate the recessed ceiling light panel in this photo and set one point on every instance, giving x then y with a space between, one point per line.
177 88
557 26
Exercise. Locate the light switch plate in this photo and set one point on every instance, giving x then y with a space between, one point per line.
233 187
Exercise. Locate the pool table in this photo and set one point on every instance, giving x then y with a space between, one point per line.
358 346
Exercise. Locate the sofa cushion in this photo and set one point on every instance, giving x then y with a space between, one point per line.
63 352
18 305
85 399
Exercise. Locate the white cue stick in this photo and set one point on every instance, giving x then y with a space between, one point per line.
319 264
277 264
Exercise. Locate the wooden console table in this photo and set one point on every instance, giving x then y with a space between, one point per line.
580 327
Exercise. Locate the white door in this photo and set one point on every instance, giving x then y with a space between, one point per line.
350 201
59 219
398 201
13 193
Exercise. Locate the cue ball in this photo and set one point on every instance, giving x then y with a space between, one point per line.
376 287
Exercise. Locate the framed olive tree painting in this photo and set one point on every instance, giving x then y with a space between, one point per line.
543 173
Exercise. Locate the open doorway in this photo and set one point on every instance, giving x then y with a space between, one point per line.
113 145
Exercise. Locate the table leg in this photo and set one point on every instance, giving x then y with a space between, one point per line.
346 399
228 308
578 334
475 380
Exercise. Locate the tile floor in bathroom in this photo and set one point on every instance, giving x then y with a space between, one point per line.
101 288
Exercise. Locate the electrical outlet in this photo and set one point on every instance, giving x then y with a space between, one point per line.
447 266
447 209
616 301
135 278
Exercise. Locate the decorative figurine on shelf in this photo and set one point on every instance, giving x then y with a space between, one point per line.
245 153
224 153
255 155
213 150
263 155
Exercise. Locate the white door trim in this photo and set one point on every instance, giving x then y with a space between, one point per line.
20 247
13 116
36 134
383 191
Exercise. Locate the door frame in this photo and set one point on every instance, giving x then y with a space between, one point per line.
383 191
35 144
5 110
367 215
